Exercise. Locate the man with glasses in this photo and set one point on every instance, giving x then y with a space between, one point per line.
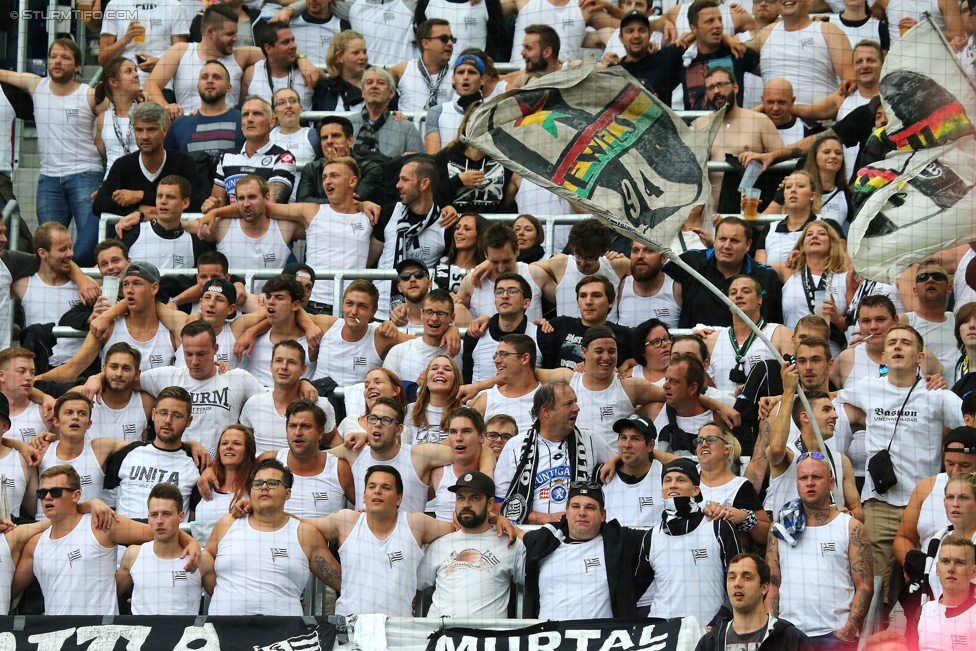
259 564
930 318
499 430
820 562
409 360
75 560
513 296
413 284
634 493
426 82
512 390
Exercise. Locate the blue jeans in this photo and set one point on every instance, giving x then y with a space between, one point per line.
61 199
830 642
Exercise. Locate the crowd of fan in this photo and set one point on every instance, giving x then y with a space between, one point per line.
675 476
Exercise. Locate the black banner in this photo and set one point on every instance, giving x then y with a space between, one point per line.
139 633
576 635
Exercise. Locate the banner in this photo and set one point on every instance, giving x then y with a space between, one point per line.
600 140
917 201
576 635
159 633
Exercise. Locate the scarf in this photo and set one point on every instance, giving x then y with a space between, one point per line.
406 240
433 86
466 101
518 501
532 254
791 523
367 143
676 437
681 515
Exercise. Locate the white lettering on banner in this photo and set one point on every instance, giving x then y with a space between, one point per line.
582 638
52 641
8 642
552 641
104 637
468 643
196 634
617 639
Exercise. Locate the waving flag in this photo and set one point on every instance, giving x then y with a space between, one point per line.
918 201
600 140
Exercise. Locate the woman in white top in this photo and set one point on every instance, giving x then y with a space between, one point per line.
801 205
346 62
289 134
113 132
380 383
236 452
463 255
821 266
531 235
960 505
825 164
652 351
725 493
437 397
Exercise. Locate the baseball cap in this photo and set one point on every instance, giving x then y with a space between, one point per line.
411 262
4 408
223 286
638 422
295 268
470 60
479 481
684 466
589 489
634 15
142 269
597 332
965 436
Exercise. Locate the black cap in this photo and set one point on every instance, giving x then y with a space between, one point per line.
592 490
4 408
597 332
293 269
639 422
964 436
411 262
479 481
222 286
684 466
142 269
634 15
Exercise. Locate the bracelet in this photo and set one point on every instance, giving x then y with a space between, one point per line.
749 523
142 216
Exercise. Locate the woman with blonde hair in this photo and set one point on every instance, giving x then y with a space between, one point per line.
360 398
437 397
113 131
825 164
346 62
233 463
802 206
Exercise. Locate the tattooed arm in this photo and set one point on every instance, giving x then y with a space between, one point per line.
775 575
862 571
320 560
759 464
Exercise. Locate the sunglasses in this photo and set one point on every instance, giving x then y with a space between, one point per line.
55 492
444 38
807 455
937 276
589 485
407 275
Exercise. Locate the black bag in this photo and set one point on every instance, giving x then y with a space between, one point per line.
882 471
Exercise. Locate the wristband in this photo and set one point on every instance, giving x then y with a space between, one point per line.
749 523
142 216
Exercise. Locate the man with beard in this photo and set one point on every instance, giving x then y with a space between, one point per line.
444 119
414 283
658 71
741 130
279 66
540 51
214 127
647 293
472 569
336 141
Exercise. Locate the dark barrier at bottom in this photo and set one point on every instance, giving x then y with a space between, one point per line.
167 633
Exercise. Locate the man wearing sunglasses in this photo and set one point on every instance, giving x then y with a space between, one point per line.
930 318
820 561
426 82
413 284
74 560
266 543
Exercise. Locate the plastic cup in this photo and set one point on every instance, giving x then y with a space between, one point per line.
750 202
819 297
110 289
140 36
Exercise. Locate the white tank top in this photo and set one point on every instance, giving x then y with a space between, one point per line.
259 84
215 509
795 305
448 122
126 423
638 371
636 505
483 298
898 9
469 23
388 28
566 20
28 423
114 147
483 366
298 145
156 352
782 489
259 360
414 490
566 304
818 607
932 513
14 483
803 58
269 251
76 573
160 586
633 310
940 338
518 408
164 253
960 288
45 303
866 32
316 495
7 117
188 74
724 494
723 357
536 200
336 241
66 131
5 281
225 349
91 473
863 366
414 91
6 571
444 499
379 576
259 572
685 585
599 410
347 362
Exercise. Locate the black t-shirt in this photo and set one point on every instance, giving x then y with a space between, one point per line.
854 130
746 641
659 72
562 348
693 77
